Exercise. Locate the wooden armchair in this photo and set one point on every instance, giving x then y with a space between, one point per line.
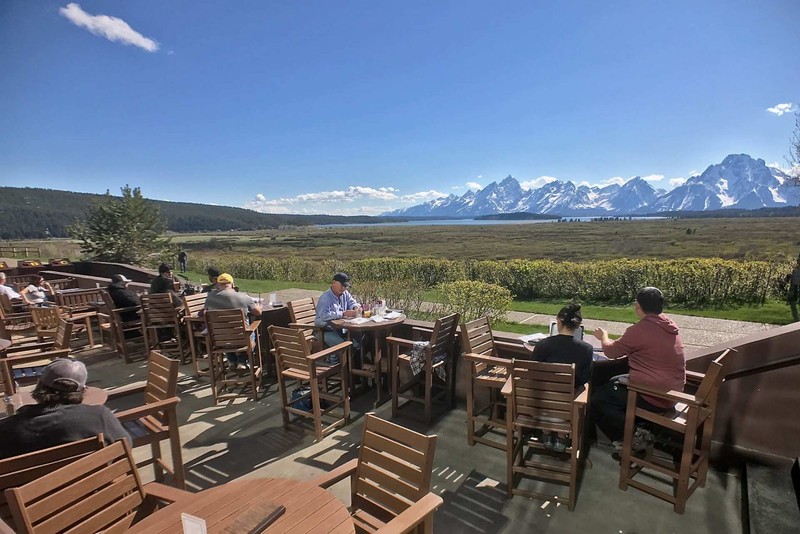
488 371
124 326
100 492
15 323
19 470
542 397
691 421
296 363
302 313
22 364
195 324
438 353
47 323
161 324
156 420
228 332
390 481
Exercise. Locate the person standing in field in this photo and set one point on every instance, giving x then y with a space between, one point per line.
793 279
183 259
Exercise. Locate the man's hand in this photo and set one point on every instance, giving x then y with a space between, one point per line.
349 313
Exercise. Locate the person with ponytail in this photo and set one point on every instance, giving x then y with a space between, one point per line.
564 348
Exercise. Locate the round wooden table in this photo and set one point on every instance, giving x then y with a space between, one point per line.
309 508
379 331
92 395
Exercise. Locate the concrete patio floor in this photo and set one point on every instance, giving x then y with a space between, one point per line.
246 439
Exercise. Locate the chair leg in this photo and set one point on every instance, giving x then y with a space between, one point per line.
395 371
428 395
627 441
316 408
175 449
157 459
705 445
471 409
684 471
345 396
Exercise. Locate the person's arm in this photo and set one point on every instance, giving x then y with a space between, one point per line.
256 310
612 349
24 294
113 429
48 287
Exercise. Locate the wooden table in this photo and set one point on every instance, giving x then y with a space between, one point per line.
379 330
92 395
309 508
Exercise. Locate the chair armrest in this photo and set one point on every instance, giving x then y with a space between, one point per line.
489 360
326 480
672 395
519 348
413 515
194 319
694 377
152 408
507 388
165 493
34 357
28 347
330 350
305 326
116 393
400 341
252 327
583 396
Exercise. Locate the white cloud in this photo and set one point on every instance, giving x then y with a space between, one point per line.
356 197
694 173
537 182
675 182
618 180
260 197
422 196
780 109
653 177
112 28
473 185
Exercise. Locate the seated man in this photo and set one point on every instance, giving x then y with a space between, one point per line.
213 274
165 283
8 290
655 358
226 298
336 303
123 297
59 417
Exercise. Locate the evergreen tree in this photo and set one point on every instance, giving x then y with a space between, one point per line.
794 151
124 229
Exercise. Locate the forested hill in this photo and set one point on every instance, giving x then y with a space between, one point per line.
30 213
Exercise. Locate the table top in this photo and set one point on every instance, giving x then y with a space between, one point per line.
92 395
369 324
309 508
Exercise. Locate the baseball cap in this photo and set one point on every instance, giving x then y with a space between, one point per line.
342 278
64 374
224 278
120 278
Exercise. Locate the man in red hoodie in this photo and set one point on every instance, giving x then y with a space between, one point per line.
655 358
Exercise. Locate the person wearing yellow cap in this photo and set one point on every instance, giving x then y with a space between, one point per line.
226 298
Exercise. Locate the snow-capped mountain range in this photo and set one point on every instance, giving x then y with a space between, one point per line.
738 182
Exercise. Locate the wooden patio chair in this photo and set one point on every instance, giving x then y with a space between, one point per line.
487 371
542 397
296 363
687 427
228 332
302 313
19 470
79 300
438 353
12 307
47 322
16 323
100 492
157 419
121 329
390 481
161 324
195 325
23 364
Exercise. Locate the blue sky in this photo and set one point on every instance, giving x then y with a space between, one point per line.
358 107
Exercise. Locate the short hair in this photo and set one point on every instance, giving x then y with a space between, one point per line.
3 275
570 316
213 272
164 268
47 396
35 278
651 300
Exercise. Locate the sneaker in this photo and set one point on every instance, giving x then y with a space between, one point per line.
643 439
242 367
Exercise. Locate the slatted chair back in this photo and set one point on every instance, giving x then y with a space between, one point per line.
162 378
46 319
444 334
63 334
18 281
120 324
158 310
476 337
100 492
19 470
303 311
193 304
291 348
394 469
543 392
78 299
227 330
709 386
5 304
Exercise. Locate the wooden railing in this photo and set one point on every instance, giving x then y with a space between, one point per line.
14 251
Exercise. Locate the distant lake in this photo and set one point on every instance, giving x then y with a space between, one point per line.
467 222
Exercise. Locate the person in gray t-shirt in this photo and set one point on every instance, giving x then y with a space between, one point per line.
226 298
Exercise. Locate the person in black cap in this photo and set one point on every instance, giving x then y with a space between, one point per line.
336 303
165 283
59 417
124 298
